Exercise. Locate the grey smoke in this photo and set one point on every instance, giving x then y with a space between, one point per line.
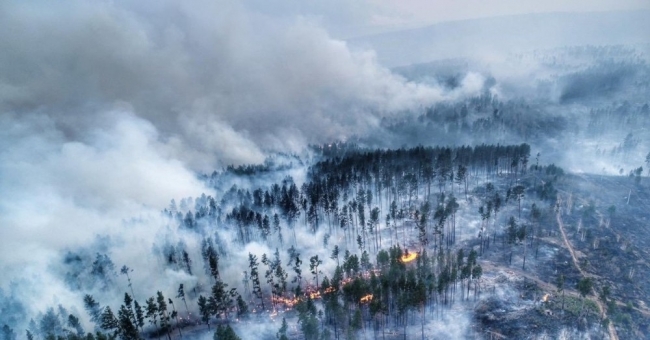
109 108
221 84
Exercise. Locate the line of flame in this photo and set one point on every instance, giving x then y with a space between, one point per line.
366 298
408 257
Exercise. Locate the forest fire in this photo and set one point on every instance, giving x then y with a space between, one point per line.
286 301
545 297
408 257
291 302
366 299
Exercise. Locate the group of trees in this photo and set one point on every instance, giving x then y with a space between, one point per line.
484 117
622 116
131 319
358 193
372 202
158 314
355 195
87 271
55 325
390 293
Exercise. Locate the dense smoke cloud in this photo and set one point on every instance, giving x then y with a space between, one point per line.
195 72
108 108
61 194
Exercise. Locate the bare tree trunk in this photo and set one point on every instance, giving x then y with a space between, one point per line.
525 246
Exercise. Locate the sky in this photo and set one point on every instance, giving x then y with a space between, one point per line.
346 19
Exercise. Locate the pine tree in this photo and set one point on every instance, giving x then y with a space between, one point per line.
335 254
221 299
297 263
127 330
128 305
187 262
204 310
125 271
108 320
7 333
282 332
152 311
225 333
280 285
584 287
74 323
162 313
174 315
93 308
103 270
314 262
139 315
213 262
307 319
255 278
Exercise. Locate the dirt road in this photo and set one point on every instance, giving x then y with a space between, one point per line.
601 308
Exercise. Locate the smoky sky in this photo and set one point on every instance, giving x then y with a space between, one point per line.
222 84
348 19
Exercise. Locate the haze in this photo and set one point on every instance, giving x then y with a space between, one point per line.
109 110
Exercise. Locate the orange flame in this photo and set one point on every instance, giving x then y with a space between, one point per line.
545 298
286 301
366 299
408 257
